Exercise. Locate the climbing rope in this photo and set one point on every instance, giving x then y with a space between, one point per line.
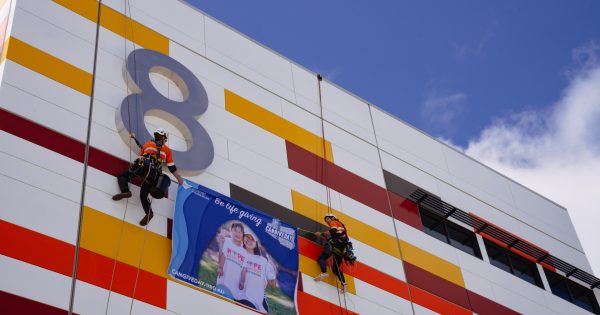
132 142
323 165
390 206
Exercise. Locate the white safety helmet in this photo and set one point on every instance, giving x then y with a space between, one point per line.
330 215
160 133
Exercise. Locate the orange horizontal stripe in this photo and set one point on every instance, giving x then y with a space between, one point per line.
309 304
55 255
359 271
436 303
36 249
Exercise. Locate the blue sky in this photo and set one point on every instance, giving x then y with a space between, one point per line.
511 83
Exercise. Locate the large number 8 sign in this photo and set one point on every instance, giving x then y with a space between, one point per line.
148 101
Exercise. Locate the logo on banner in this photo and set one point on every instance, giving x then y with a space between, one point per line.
147 100
285 235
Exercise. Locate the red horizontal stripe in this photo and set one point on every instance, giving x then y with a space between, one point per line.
11 304
60 143
435 303
55 255
484 306
439 286
309 304
352 185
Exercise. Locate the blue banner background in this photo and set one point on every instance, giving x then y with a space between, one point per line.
200 212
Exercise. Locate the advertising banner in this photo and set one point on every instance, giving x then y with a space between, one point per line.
228 248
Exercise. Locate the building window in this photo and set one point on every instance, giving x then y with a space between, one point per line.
513 263
450 233
572 292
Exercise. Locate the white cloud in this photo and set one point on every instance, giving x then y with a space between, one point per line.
443 109
465 50
556 151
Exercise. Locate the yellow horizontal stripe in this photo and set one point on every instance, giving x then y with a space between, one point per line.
382 241
432 263
47 65
311 268
101 232
276 125
119 24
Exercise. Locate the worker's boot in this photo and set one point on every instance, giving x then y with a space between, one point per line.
321 276
146 219
122 195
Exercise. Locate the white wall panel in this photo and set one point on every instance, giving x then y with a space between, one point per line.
38 210
402 139
252 181
477 175
520 302
118 304
215 78
42 112
179 15
427 243
52 40
327 292
468 203
367 215
379 260
211 181
34 283
543 210
301 117
479 276
555 246
172 19
93 300
248 59
239 130
560 306
420 310
351 143
265 167
44 88
381 297
40 177
184 300
358 166
365 306
141 308
347 112
306 89
409 173
61 17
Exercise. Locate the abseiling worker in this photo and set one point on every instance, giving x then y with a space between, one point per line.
336 246
148 167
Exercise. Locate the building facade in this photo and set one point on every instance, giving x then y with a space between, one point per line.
434 230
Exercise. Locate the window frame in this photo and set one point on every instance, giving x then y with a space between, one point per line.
510 256
447 225
552 277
